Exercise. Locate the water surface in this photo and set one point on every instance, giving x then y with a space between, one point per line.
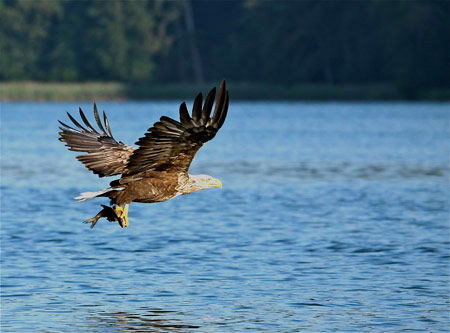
333 217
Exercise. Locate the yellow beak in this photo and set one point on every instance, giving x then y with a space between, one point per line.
215 183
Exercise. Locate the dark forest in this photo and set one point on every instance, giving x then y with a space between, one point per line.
404 44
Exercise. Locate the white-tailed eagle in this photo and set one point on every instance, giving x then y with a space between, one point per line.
155 171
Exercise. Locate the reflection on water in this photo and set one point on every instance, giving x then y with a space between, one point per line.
144 320
333 217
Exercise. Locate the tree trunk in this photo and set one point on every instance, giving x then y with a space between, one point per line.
195 54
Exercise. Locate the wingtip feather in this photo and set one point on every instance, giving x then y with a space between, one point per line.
108 128
197 108
86 122
223 112
97 119
207 107
185 118
76 122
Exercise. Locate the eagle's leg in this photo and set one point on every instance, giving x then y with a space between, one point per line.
122 215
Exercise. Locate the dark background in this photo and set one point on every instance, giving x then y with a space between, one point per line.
399 44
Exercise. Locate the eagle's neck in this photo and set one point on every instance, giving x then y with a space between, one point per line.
188 184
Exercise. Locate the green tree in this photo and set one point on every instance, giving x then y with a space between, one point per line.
416 44
24 29
80 40
124 38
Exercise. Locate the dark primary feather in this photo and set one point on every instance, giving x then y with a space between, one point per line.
171 145
168 146
105 156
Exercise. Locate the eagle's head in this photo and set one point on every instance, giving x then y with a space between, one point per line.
202 182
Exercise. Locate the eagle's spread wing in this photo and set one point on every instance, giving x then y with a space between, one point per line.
105 156
171 145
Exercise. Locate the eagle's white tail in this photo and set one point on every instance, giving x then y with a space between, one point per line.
90 195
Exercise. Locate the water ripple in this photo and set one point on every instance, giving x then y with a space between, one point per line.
333 217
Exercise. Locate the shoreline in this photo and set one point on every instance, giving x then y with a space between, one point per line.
74 91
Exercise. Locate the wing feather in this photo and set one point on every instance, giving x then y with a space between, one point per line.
184 115
207 108
106 123
171 145
197 108
223 113
76 123
105 156
97 119
86 122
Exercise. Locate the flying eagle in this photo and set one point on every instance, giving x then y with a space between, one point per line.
155 171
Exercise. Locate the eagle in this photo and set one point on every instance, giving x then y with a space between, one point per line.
156 170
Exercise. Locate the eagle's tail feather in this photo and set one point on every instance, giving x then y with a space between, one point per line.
90 195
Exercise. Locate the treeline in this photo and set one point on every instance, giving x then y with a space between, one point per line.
286 43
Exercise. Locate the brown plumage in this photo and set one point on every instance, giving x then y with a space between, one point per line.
158 169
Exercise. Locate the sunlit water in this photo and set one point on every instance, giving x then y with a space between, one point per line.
333 217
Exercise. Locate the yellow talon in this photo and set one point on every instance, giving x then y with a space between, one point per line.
122 215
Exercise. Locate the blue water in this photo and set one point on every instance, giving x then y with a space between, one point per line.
333 217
